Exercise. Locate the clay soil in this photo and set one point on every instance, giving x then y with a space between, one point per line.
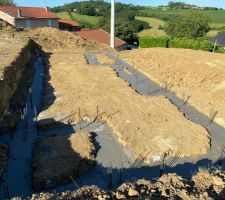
205 185
9 51
59 158
53 40
150 124
196 75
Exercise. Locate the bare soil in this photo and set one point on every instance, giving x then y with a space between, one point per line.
59 159
207 185
150 124
51 39
194 75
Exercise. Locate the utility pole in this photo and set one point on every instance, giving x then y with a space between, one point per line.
112 38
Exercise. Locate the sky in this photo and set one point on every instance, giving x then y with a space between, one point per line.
52 3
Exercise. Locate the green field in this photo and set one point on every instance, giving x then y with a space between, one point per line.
85 20
217 20
217 16
155 24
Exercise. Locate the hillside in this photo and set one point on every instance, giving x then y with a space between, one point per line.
85 20
155 25
216 16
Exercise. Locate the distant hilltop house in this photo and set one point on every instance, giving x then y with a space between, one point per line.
28 17
100 36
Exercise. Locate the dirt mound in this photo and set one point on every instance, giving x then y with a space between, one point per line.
52 39
195 76
213 182
59 159
204 185
89 192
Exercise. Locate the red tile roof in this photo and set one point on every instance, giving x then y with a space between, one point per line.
98 35
28 12
68 22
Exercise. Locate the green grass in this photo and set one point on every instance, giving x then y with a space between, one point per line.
85 20
154 31
217 19
217 16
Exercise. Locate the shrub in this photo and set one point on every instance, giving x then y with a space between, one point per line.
190 25
166 42
147 42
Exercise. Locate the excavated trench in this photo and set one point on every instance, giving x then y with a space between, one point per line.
145 86
111 154
15 79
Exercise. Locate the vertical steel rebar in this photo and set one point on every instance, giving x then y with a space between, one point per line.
79 115
109 177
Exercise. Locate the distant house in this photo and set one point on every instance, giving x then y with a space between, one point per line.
28 17
220 39
100 36
69 25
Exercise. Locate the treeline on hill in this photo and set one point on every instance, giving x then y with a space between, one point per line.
182 5
6 3
126 24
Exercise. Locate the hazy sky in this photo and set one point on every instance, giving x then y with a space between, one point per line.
51 3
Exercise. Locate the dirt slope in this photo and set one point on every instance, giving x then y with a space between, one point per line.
52 39
197 75
140 123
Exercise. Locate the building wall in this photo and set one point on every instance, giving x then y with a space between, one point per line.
35 23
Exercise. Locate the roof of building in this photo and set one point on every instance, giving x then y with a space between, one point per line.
98 35
68 22
220 39
28 12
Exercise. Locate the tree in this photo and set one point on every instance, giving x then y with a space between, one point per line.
124 31
6 3
191 25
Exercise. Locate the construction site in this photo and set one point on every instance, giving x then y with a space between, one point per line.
79 120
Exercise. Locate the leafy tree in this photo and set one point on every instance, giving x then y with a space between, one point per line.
6 3
191 25
124 31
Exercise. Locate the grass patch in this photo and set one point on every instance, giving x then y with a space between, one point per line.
217 16
85 20
155 24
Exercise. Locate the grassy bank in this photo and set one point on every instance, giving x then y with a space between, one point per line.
85 20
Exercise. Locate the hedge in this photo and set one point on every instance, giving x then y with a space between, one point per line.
166 42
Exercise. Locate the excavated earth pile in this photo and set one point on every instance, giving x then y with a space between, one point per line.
207 185
150 124
196 77
15 76
53 40
59 159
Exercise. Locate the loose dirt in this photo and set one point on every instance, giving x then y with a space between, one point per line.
51 39
150 124
59 158
207 185
194 75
